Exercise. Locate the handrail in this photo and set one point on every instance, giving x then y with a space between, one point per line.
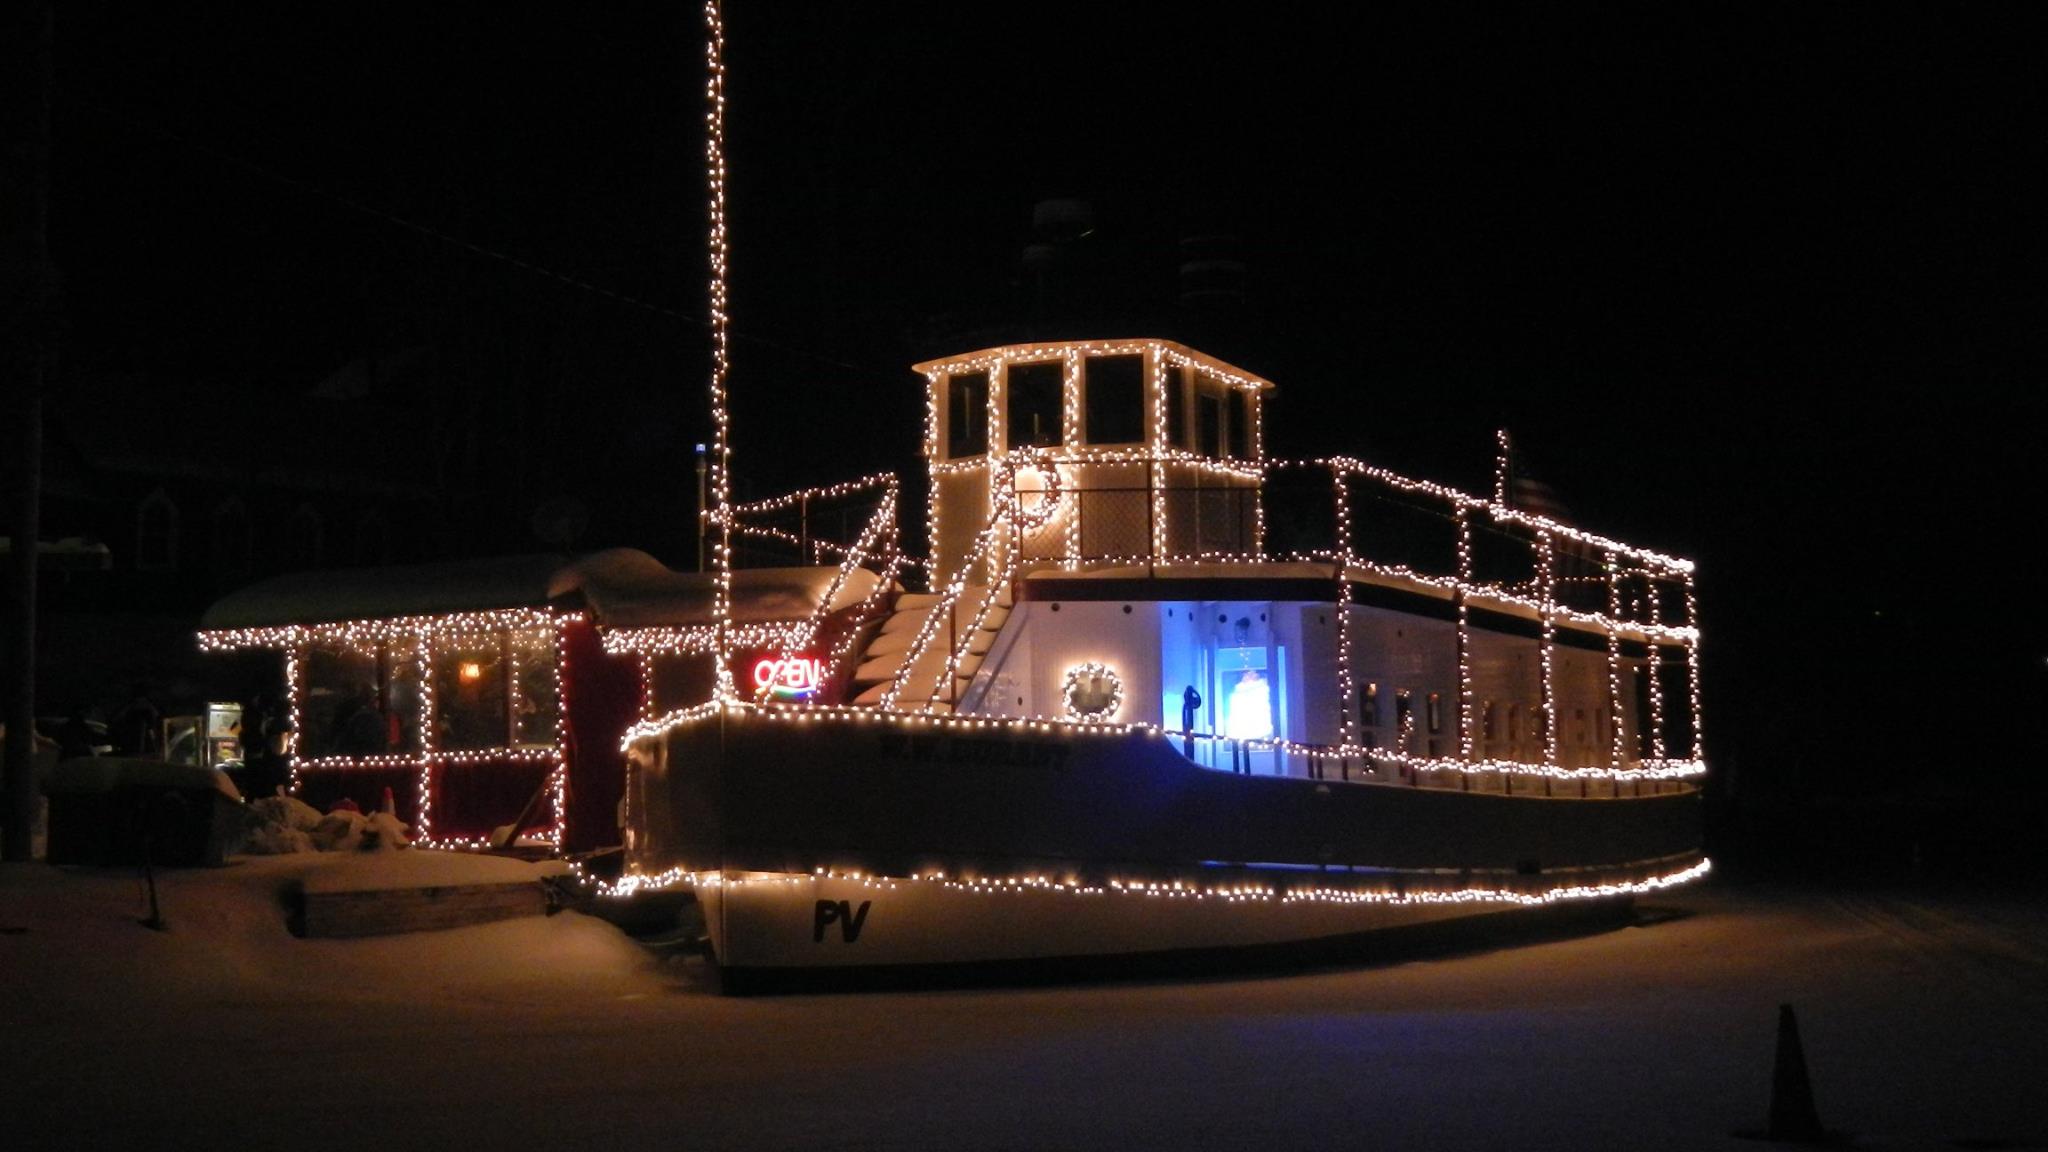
928 631
880 533
1008 512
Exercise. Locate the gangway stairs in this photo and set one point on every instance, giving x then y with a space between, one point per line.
883 661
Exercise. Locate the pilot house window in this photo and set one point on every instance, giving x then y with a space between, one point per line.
966 414
1177 407
1209 424
1034 408
1116 400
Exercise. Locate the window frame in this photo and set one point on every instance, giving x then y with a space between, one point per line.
1057 369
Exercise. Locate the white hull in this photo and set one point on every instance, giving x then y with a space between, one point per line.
771 921
994 842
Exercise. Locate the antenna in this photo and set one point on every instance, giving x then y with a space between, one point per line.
721 362
1503 468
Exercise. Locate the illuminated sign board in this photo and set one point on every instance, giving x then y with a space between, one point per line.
790 677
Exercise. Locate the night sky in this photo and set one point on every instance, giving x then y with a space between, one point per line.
1759 285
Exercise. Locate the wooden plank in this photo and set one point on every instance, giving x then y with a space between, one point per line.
394 910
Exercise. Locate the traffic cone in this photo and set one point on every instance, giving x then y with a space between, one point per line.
1793 1118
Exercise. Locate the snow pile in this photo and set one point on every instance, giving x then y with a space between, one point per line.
280 825
339 831
227 955
289 811
383 832
266 838
420 868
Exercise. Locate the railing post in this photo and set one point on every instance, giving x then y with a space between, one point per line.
1151 521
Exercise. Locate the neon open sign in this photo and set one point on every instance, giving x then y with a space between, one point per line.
790 677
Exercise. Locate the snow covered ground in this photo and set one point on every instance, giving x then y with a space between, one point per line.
1925 1019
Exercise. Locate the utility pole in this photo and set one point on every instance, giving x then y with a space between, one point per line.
30 339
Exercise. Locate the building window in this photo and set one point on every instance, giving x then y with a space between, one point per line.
231 549
156 534
1035 404
341 714
1115 399
966 414
361 699
472 693
1240 424
495 691
536 705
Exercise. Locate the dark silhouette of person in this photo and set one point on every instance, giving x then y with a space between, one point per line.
264 765
359 725
138 730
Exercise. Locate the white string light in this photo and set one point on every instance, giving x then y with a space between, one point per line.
1401 889
1617 749
1092 674
1670 769
423 634
721 362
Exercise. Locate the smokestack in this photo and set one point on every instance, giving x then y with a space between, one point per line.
1053 261
1211 272
1212 292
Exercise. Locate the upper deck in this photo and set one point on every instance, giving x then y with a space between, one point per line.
1135 471
1113 456
1132 417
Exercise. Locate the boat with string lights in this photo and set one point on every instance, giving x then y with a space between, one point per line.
1157 693
1163 693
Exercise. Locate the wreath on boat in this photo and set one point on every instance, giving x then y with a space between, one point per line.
1044 483
1093 692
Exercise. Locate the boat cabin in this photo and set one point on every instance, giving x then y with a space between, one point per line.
1110 543
494 693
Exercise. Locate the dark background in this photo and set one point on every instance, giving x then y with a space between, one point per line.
1758 285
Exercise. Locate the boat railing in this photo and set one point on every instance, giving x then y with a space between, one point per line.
1358 764
852 526
812 525
1109 525
1343 512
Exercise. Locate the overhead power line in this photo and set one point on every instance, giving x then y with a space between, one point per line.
386 216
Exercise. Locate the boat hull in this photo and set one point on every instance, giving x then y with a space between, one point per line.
840 839
764 923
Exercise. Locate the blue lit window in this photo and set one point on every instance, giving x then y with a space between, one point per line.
1247 696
